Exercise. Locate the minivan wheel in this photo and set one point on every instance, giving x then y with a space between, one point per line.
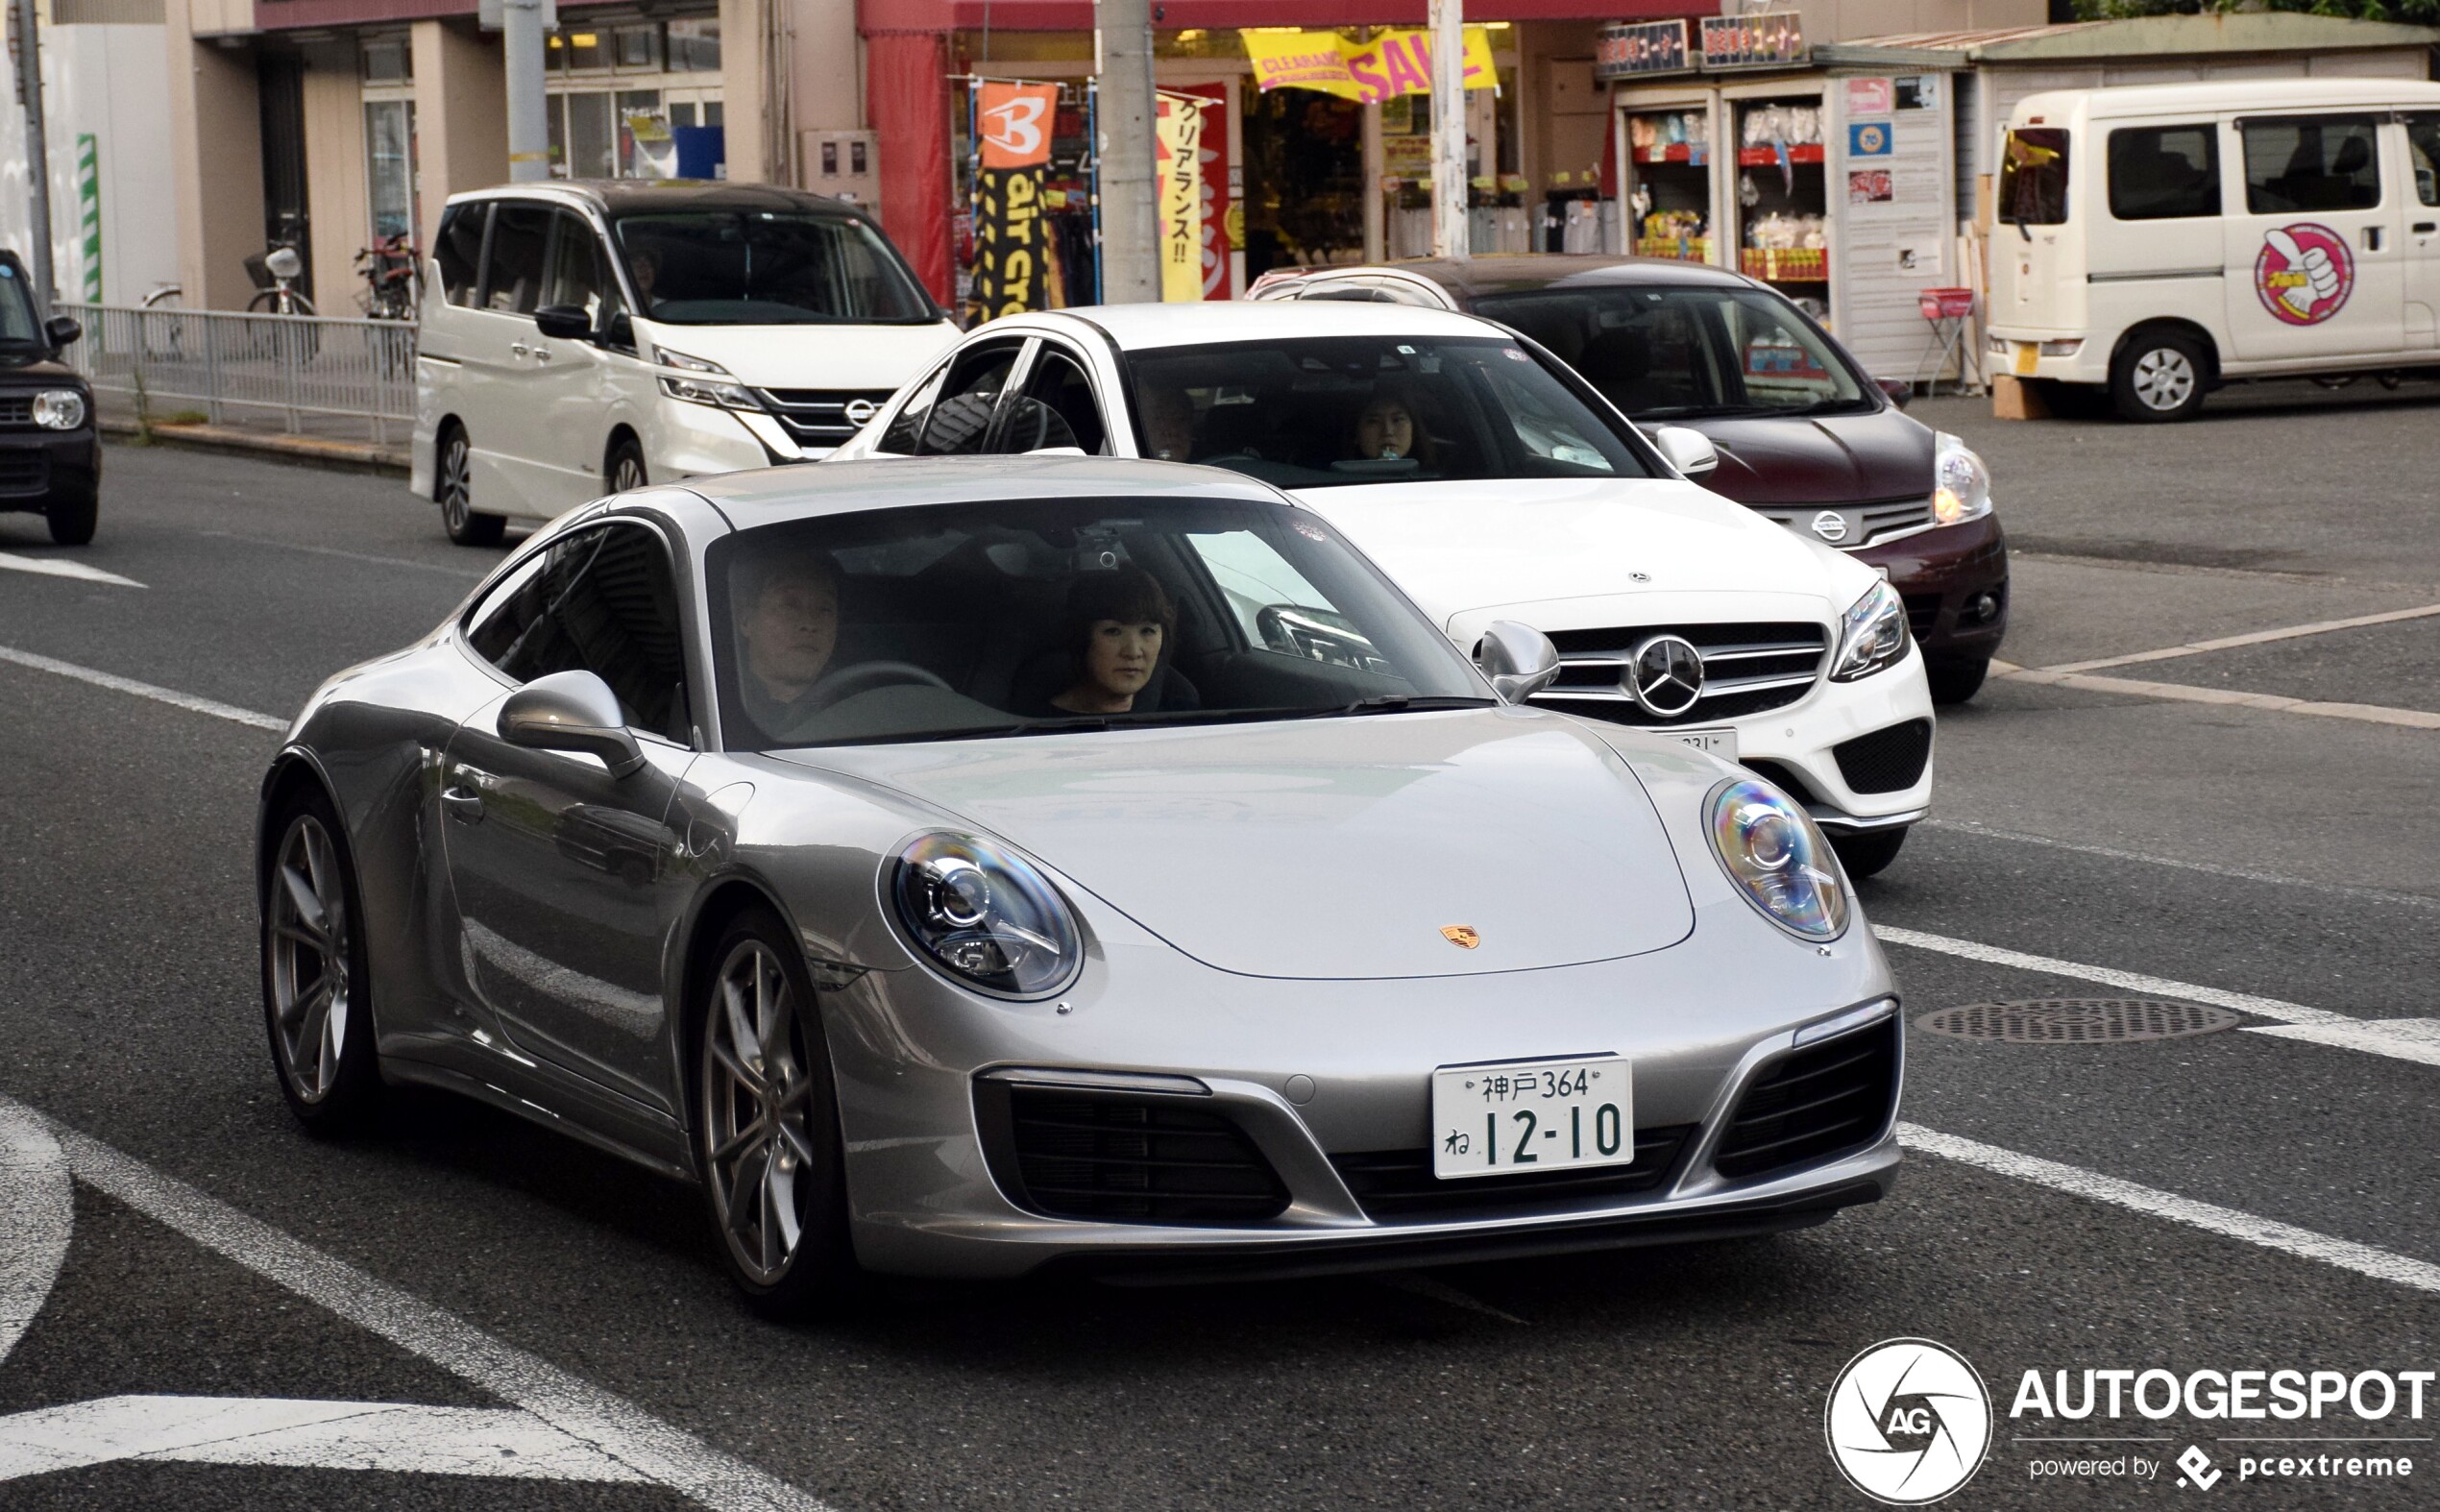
625 472
1867 853
2159 377
454 489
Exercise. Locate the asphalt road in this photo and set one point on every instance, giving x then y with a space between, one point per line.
2222 849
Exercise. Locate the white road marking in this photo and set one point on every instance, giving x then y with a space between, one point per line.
2250 637
352 556
650 1447
2400 1039
316 1435
143 689
2345 1254
61 567
37 1212
2240 873
2184 692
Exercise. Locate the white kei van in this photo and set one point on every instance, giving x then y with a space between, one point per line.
2165 239
576 338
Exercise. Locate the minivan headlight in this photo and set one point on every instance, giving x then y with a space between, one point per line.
59 409
1873 635
985 915
1777 856
702 382
1961 484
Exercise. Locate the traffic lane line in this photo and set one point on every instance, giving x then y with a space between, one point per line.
2185 692
62 566
2250 637
2208 868
656 1450
38 1213
142 690
368 557
2363 1259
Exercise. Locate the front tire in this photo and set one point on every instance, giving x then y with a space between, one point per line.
625 472
73 516
2159 377
766 1123
1870 853
317 979
453 490
1956 682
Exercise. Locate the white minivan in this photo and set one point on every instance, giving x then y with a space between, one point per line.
2163 239
582 338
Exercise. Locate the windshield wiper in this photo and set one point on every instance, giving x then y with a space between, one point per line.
1402 703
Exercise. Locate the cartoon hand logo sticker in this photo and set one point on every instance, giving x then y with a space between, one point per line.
2304 273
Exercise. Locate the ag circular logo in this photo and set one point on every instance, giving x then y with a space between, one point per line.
1909 1421
1665 675
2304 273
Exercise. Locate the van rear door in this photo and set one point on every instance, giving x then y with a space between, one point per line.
2316 262
2037 270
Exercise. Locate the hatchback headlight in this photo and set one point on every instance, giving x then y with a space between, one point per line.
1775 854
1961 484
1872 636
985 917
59 409
702 382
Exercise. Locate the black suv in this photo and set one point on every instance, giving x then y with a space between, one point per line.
50 455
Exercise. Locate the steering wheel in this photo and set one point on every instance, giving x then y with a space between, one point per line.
865 677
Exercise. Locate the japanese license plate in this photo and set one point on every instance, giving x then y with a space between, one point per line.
1716 743
1533 1116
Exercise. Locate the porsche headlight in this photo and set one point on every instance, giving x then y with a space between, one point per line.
985 917
1773 851
1872 636
59 409
702 382
1961 484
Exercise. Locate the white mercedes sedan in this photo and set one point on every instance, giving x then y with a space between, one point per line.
1492 483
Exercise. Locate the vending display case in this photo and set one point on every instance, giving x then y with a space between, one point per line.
1672 182
1783 195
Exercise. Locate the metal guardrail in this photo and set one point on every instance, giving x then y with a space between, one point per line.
308 371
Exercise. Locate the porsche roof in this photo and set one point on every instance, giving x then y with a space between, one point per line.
767 494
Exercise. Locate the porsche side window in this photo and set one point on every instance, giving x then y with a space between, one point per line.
1057 409
900 436
962 415
602 602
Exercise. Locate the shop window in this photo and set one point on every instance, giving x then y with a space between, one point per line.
2422 154
512 277
2331 162
388 60
2158 173
682 113
694 46
636 47
460 250
579 52
389 166
646 148
2033 178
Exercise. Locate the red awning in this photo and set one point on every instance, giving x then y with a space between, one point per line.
882 16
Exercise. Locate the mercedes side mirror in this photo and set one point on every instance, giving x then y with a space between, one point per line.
572 711
63 330
1899 390
1689 451
564 321
1518 659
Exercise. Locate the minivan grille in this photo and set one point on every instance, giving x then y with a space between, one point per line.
1135 1160
1859 524
819 415
1822 1101
1748 667
1399 1184
1886 761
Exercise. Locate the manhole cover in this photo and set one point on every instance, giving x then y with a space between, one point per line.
2076 1021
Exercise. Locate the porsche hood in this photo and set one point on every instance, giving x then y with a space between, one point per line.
1394 845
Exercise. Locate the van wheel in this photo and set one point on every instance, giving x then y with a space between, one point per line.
454 489
2157 377
625 471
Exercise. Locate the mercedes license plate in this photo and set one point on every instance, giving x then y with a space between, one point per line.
1718 743
1521 1116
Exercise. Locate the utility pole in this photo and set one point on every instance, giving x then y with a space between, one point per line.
1450 240
38 155
1131 203
521 27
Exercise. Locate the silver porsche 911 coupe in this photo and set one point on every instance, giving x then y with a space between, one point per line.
965 865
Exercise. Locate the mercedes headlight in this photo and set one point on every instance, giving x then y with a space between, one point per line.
985 917
1872 636
59 409
1961 484
702 382
1777 856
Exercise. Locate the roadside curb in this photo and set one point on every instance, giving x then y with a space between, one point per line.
353 457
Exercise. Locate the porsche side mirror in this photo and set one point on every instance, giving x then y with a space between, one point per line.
572 711
564 321
63 330
1518 659
1689 451
1899 390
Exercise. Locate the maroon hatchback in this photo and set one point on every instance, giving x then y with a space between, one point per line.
1804 435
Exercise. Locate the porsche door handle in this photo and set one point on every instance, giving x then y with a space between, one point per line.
462 804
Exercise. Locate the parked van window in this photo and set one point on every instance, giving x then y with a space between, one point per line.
2158 173
513 279
576 276
767 268
459 250
2422 145
2033 177
2328 163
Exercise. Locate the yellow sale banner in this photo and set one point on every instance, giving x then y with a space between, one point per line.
1178 131
1391 65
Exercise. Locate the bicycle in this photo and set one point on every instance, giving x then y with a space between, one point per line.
388 270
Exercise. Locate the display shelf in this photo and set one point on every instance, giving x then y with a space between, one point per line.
1786 264
1675 151
1683 248
1765 157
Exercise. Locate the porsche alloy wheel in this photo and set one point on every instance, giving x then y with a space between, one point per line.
768 1132
314 995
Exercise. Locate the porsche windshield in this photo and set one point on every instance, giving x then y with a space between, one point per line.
1057 615
763 268
1332 412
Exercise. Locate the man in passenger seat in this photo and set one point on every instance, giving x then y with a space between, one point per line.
786 613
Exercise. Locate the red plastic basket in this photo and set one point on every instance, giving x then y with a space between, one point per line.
1946 303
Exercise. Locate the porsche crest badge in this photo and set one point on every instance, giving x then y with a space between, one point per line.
1461 935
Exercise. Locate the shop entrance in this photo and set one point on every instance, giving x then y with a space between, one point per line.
1304 180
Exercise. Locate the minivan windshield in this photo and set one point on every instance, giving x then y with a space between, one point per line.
1329 413
20 326
1043 617
767 268
1666 354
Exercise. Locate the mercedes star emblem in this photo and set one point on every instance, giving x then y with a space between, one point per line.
859 410
1665 675
1830 526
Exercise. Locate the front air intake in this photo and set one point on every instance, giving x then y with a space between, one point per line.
1814 1104
1124 1157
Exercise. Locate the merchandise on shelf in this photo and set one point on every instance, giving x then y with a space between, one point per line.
1779 231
